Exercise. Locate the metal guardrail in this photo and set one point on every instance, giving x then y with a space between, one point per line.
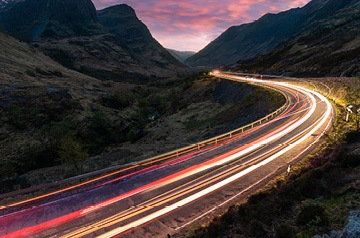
162 157
225 136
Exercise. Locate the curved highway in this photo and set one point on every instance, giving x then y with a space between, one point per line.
166 197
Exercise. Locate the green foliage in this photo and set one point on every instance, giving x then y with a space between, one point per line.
71 152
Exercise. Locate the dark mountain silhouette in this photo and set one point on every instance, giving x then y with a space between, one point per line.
264 35
328 47
112 44
35 19
181 55
121 20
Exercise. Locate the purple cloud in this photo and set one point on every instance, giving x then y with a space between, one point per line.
191 25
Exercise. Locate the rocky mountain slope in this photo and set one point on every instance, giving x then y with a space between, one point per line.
111 44
328 47
264 35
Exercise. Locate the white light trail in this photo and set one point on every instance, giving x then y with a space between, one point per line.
233 178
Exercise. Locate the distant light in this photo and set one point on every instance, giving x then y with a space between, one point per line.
215 72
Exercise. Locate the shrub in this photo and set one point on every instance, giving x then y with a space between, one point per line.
312 215
16 117
285 231
350 160
118 101
41 71
256 198
71 152
353 137
258 229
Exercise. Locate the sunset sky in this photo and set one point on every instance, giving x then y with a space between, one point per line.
192 24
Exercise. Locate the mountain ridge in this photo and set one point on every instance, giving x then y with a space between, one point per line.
329 47
71 33
263 35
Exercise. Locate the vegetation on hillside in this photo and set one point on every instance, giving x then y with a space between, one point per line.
48 127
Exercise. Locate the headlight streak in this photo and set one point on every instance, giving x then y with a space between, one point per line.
212 188
218 161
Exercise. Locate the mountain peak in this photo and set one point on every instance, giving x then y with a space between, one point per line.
122 9
248 41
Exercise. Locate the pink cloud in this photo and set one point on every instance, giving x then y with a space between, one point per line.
192 24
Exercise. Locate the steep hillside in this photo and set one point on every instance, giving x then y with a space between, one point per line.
70 32
121 21
329 47
49 19
181 55
264 35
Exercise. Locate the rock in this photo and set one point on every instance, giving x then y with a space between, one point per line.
352 228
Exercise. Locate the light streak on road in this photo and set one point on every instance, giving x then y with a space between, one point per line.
235 177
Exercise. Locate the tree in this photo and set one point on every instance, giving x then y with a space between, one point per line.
71 152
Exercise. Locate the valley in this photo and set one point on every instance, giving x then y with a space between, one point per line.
104 132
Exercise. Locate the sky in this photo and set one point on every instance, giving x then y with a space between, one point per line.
189 25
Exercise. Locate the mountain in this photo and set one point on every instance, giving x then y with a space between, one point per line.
5 3
181 55
327 47
121 21
49 19
264 35
111 44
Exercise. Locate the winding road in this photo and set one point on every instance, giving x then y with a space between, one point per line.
165 197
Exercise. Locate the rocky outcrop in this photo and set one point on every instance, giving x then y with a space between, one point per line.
351 230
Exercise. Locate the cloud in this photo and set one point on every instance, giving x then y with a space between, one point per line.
192 24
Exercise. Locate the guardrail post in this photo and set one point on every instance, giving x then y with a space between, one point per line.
230 135
177 153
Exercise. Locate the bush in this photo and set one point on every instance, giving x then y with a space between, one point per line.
349 160
256 198
118 101
312 215
71 152
285 231
258 229
16 117
353 137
